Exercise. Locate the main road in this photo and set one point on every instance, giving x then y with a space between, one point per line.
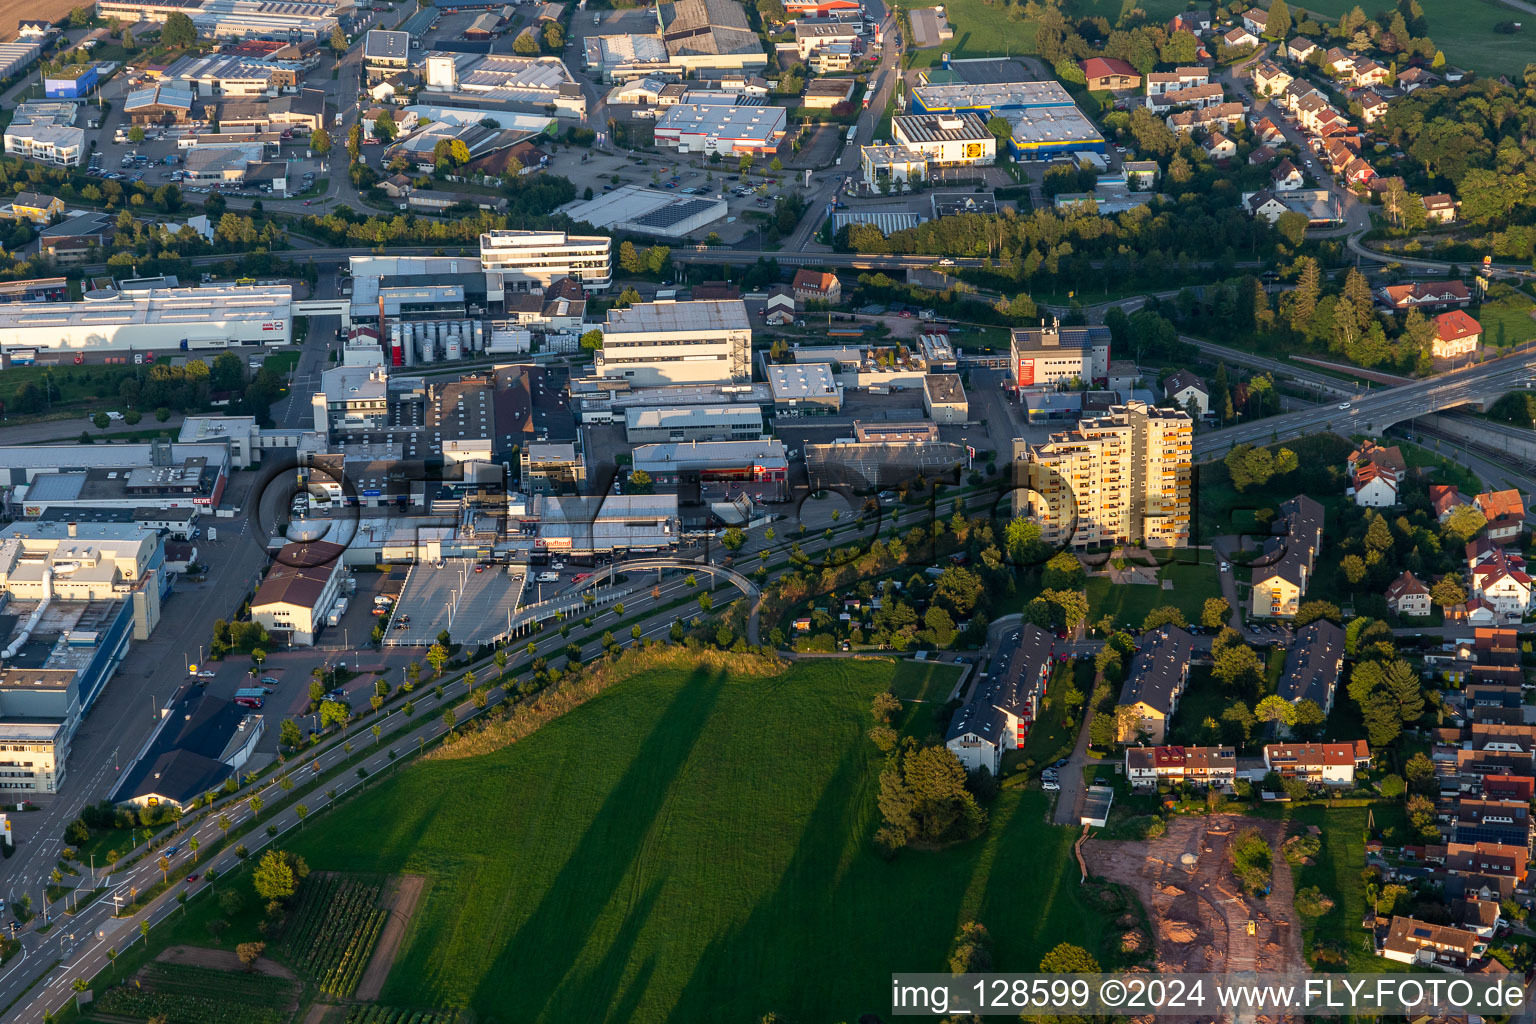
1374 412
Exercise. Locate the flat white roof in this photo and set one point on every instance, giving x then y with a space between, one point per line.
168 306
754 124
801 380
672 317
690 415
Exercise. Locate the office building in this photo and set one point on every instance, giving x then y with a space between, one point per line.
524 261
553 467
657 343
299 591
944 398
386 49
52 144
1123 478
1054 355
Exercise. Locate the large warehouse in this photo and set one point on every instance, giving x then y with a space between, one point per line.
154 320
647 211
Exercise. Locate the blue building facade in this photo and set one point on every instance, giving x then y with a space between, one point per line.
72 86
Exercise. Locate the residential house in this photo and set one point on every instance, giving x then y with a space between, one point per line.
298 591
396 186
1183 387
1481 820
1331 764
1159 82
1501 580
1145 767
1358 172
1287 177
1300 48
1375 486
1444 498
1002 709
1264 203
1262 155
1505 512
37 207
1426 295
1366 72
1478 916
1373 106
1177 99
1511 862
1456 335
1192 22
1410 79
1267 132
1255 19
1141 174
1218 147
1339 61
1239 37
1440 208
817 286
1411 941
781 306
1312 665
1110 74
1270 79
1158 676
1284 571
1208 118
1406 595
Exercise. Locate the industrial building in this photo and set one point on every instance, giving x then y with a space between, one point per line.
1122 478
232 74
75 598
72 81
293 20
722 128
804 389
709 34
528 83
944 398
387 50
1045 121
656 343
693 423
523 261
863 467
892 164
153 320
611 525
116 475
199 742
720 468
647 211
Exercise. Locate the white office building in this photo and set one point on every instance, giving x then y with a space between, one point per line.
524 261
651 344
52 144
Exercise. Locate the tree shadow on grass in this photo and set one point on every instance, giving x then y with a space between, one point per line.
555 935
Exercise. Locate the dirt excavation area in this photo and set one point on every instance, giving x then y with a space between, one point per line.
1198 913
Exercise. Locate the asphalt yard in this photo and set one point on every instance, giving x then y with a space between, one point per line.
474 607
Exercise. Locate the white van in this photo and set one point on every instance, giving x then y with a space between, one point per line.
547 577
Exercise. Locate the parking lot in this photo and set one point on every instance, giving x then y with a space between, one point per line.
473 602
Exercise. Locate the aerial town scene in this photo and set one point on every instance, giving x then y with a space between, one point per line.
680 511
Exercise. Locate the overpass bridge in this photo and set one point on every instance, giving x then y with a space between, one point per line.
746 586
1375 411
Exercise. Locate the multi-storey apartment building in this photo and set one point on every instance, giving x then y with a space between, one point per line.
1116 479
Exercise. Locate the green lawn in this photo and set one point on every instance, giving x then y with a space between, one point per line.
1221 510
281 363
1464 30
692 847
1205 698
1507 319
1447 471
1129 604
984 28
1049 738
924 680
1337 873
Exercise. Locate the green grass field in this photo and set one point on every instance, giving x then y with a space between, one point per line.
1336 871
1464 30
689 847
1129 604
1507 319
986 29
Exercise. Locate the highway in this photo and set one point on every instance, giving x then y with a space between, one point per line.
1373 412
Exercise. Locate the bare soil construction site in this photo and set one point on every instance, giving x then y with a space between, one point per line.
1199 916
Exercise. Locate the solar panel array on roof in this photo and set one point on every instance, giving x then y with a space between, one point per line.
676 213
